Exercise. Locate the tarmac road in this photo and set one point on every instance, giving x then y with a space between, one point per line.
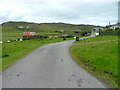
49 66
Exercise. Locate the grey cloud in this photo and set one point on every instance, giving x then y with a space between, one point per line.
73 12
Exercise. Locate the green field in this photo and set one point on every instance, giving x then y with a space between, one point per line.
97 39
99 58
17 49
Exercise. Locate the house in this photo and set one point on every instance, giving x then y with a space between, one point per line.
29 33
114 26
95 31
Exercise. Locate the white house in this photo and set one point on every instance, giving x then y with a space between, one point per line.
95 31
115 26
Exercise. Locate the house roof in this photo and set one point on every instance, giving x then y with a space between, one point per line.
117 24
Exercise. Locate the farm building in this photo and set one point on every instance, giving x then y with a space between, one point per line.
29 33
32 35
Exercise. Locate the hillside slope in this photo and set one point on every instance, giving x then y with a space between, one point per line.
45 27
13 30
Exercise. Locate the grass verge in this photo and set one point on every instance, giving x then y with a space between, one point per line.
100 59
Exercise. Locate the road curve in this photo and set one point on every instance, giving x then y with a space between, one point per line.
49 66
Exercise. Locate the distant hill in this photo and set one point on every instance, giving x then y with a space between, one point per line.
44 27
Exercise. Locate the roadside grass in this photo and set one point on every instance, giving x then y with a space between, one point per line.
98 38
0 57
100 59
15 50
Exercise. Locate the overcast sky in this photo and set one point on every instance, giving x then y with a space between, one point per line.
95 12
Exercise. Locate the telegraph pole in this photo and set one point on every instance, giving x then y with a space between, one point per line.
119 12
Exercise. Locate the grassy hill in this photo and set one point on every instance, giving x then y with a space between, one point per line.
45 27
10 29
